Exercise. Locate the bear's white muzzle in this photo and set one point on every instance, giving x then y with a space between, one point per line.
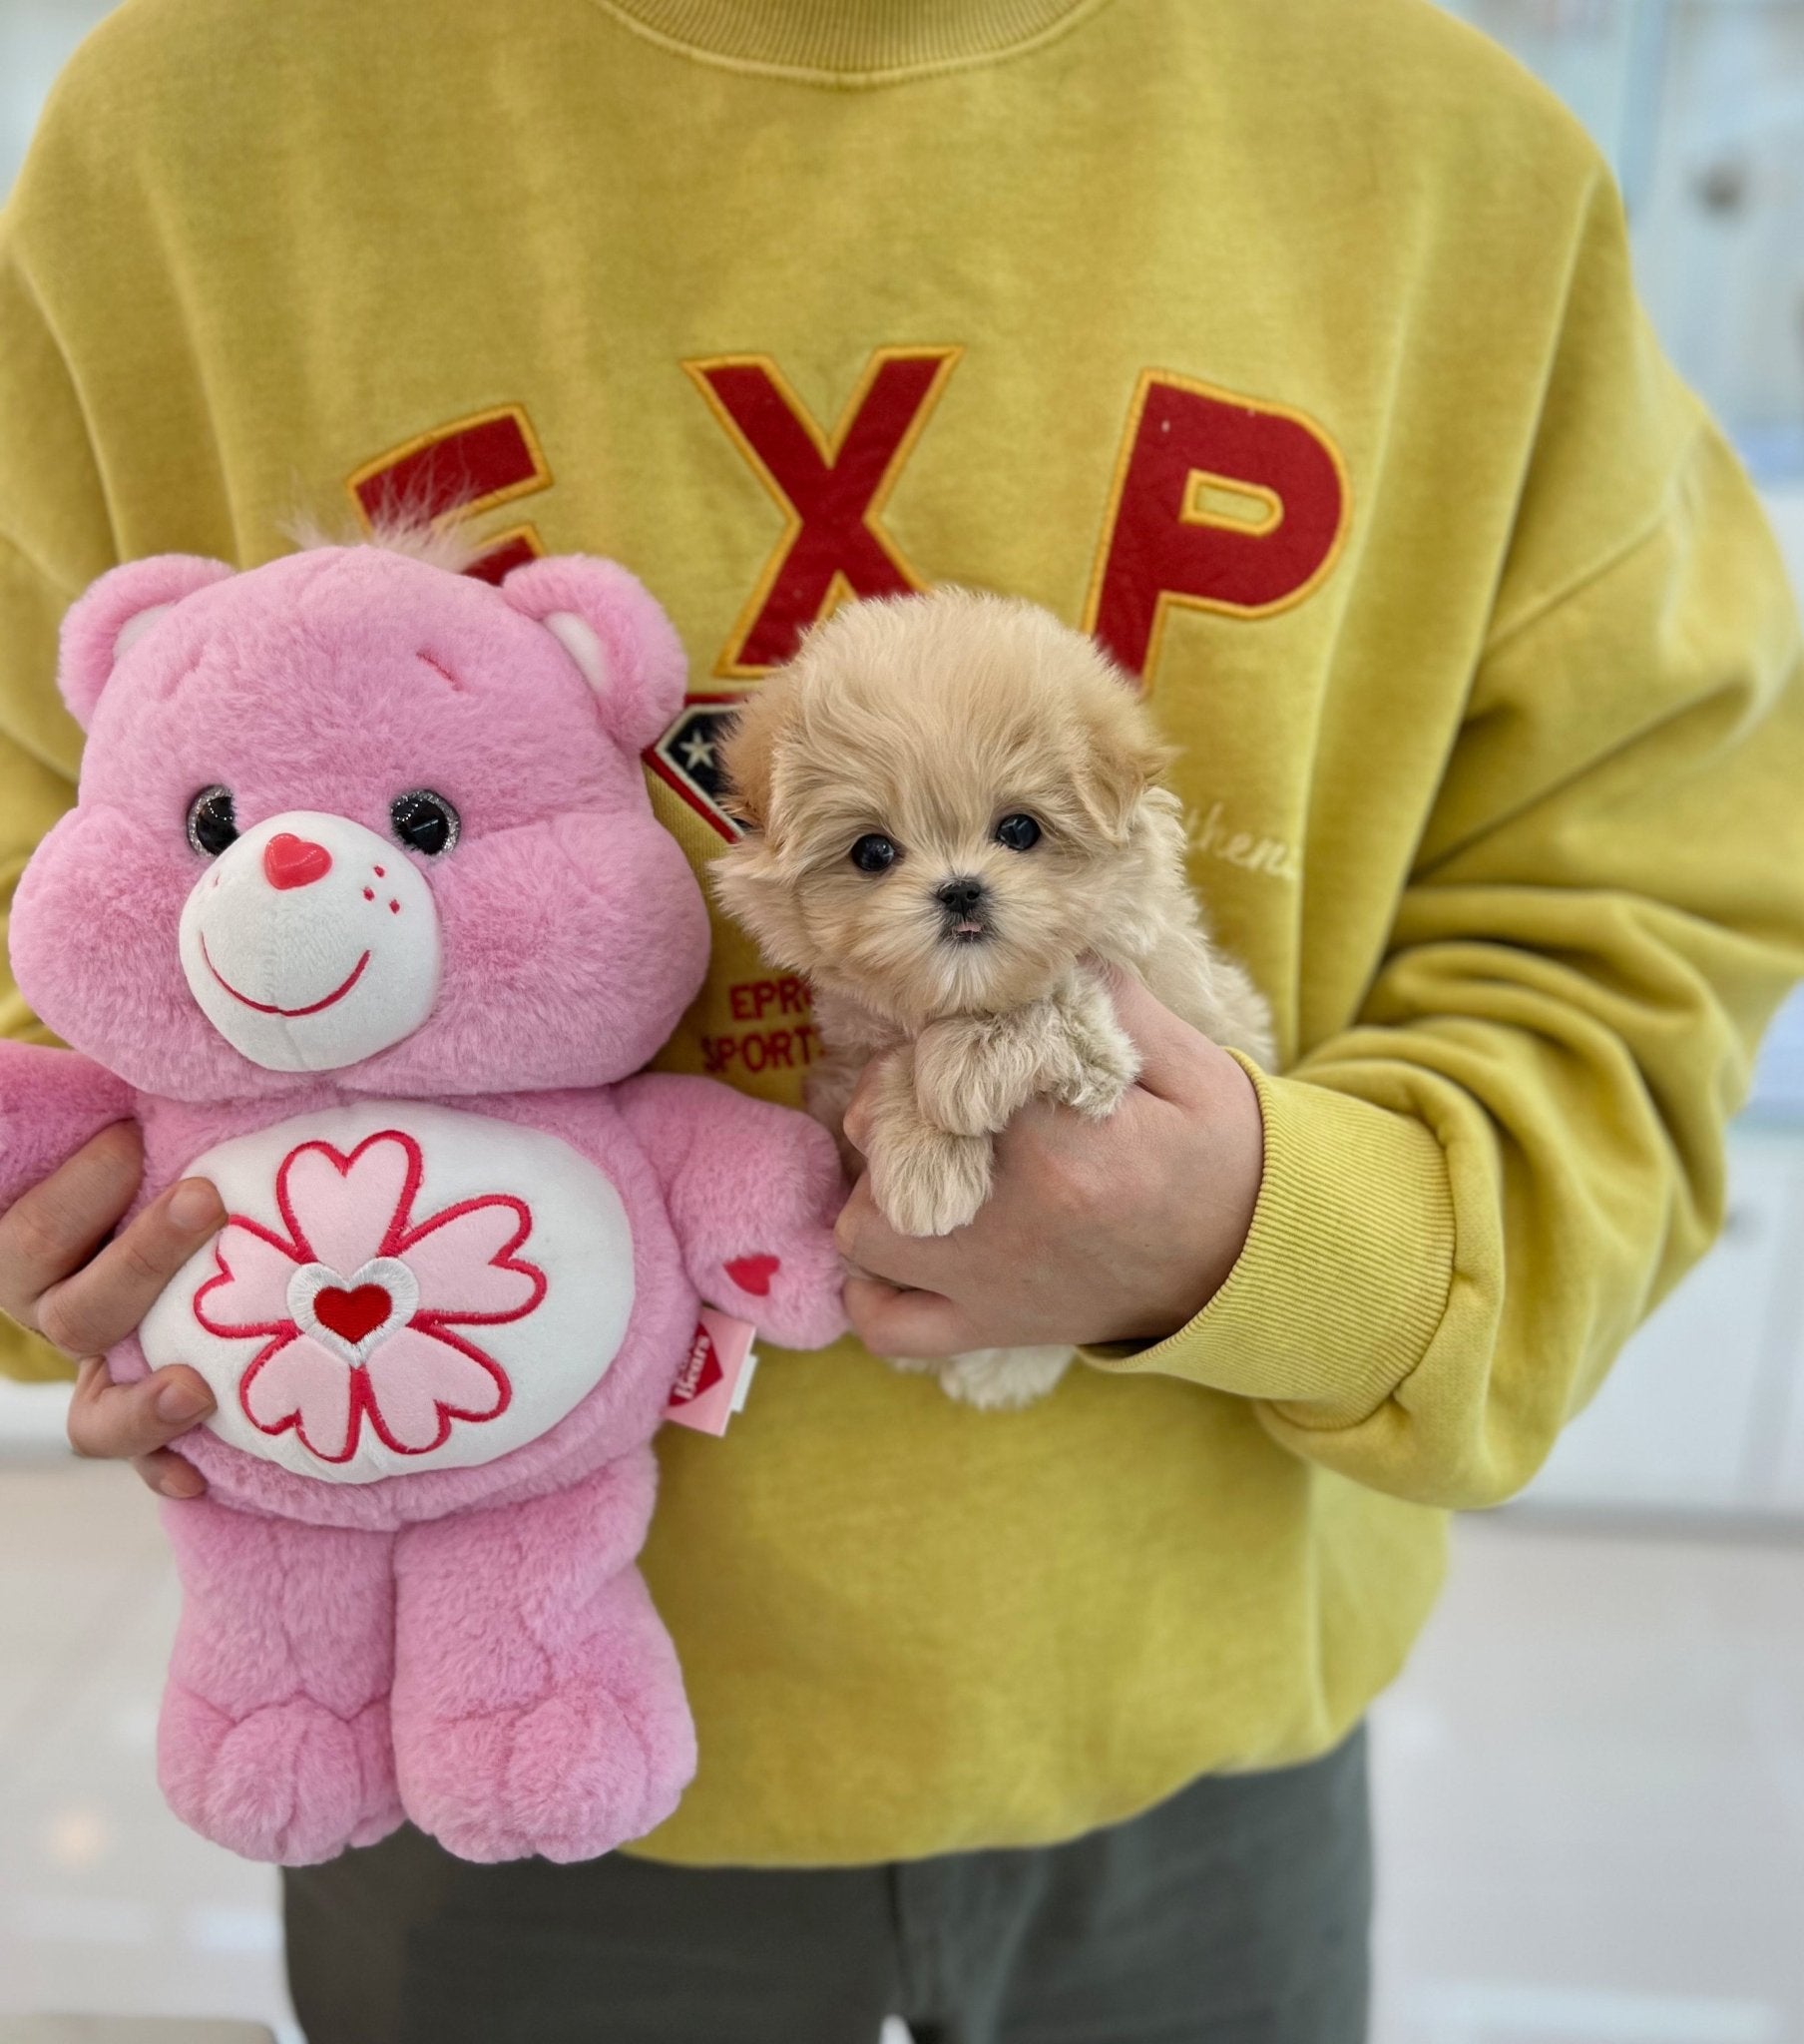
311 943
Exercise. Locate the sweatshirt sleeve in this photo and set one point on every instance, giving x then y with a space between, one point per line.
55 537
1474 1192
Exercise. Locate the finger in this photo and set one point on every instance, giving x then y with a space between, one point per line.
862 1106
1170 1048
122 1422
170 1474
54 1228
919 1325
104 1301
859 1225
872 1246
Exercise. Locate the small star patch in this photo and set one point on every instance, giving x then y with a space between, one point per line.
687 757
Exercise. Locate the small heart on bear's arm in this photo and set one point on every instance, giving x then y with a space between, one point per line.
753 1273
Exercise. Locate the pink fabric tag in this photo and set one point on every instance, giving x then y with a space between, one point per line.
714 1382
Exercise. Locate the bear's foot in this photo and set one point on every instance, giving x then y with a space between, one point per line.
568 1776
289 1781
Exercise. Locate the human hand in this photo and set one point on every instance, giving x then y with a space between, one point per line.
57 1279
1119 1230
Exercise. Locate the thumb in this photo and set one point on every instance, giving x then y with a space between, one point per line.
1171 1051
861 1109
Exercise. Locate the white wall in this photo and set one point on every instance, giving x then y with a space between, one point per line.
36 40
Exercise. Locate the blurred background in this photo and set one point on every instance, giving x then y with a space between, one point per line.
1591 1780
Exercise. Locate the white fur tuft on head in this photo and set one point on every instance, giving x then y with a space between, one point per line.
446 543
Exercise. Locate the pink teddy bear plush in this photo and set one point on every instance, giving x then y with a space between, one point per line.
363 914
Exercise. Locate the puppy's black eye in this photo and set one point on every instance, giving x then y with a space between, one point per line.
1019 833
874 854
424 821
211 822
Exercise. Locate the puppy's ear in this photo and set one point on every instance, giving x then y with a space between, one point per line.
748 751
747 879
762 899
1121 756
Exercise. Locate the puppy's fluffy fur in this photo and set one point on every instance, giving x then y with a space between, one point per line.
953 810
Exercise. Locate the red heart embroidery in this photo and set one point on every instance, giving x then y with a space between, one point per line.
352 1314
753 1273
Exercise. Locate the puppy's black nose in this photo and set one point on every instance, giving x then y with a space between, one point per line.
961 895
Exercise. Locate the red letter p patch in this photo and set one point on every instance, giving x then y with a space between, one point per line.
1220 503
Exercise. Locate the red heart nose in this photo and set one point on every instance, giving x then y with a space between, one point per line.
291 861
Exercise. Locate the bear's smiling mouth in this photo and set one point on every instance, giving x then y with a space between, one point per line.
266 1008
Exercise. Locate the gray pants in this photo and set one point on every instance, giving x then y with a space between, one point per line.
1235 1914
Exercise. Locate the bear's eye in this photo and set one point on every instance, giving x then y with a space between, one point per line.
424 821
874 854
212 824
1019 833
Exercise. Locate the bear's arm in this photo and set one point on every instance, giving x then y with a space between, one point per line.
51 1103
752 1191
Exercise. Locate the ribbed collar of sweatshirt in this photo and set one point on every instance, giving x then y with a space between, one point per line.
851 42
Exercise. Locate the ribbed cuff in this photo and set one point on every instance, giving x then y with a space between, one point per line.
1345 1272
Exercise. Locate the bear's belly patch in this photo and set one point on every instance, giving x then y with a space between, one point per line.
400 1286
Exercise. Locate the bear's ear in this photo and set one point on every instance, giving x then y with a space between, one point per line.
102 624
609 625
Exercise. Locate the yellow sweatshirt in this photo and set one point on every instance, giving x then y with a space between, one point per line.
1288 345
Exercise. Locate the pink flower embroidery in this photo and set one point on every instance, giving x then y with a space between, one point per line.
359 1301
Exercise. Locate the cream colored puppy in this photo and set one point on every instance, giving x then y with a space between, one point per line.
953 812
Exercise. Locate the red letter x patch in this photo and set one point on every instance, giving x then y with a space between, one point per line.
831 490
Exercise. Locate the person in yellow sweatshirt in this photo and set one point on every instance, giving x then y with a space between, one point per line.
1291 348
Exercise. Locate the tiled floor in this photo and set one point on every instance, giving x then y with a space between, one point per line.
1591 1789
1592 1796
107 1904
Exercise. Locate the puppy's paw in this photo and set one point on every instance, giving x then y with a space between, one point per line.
972 1074
1096 1091
1102 1065
928 1182
914 1365
1004 1379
